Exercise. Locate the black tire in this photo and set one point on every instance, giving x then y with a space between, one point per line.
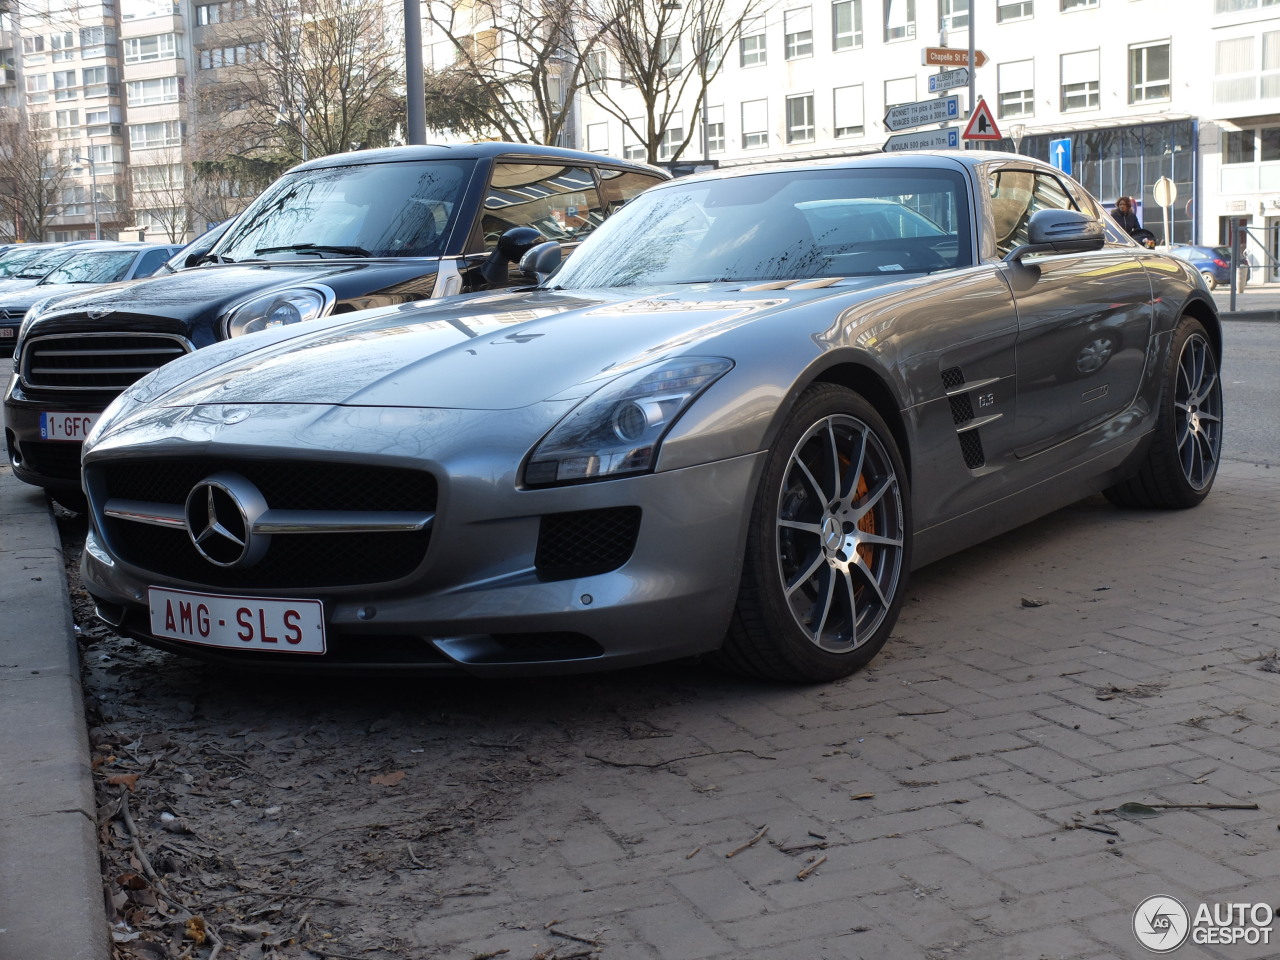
1182 460
828 547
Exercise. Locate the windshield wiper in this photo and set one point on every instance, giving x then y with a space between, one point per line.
315 248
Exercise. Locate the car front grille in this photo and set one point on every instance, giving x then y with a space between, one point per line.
96 362
584 543
55 459
355 493
10 313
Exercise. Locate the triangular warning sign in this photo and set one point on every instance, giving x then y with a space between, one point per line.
981 126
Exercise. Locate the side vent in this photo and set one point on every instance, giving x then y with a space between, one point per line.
962 415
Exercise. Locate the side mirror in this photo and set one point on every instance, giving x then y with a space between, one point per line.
512 247
541 261
1059 231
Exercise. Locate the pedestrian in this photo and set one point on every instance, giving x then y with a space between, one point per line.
1125 216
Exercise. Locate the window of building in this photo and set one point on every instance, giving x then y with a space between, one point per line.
715 129
38 87
800 126
62 46
669 56
161 176
632 148
98 81
1149 72
1238 146
1235 6
1271 64
900 91
214 57
64 85
798 33
142 9
66 123
597 69
141 93
846 25
1235 80
899 19
143 49
672 136
1067 5
713 47
1017 89
32 46
166 133
1007 10
598 137
97 42
755 124
953 14
848 120
224 12
751 51
1079 80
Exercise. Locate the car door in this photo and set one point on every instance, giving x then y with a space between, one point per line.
1083 318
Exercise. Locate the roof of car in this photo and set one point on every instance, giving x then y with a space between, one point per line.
472 151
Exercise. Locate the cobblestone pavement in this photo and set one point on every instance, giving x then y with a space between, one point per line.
944 802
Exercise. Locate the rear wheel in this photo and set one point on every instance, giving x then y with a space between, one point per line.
1182 460
828 548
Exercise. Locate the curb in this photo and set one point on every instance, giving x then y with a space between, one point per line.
51 905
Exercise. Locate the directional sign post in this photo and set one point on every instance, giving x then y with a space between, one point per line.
947 138
950 57
917 114
949 80
1060 154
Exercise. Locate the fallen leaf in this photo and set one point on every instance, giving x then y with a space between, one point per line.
195 929
1136 811
388 779
129 780
862 796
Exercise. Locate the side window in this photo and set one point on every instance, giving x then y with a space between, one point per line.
560 202
151 261
1015 196
619 186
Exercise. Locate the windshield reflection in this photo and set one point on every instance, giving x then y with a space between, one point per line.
783 225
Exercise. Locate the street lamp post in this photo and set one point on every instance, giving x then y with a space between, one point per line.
93 196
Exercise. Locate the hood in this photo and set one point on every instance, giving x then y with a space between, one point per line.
209 291
488 352
24 298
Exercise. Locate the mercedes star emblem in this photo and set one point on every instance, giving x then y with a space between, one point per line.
220 515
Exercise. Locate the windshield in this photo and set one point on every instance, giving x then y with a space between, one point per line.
11 263
783 225
37 267
402 209
103 266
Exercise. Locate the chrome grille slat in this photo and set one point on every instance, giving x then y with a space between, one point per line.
66 361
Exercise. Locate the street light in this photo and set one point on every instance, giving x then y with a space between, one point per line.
93 196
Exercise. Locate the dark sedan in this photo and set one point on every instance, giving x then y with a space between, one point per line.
729 426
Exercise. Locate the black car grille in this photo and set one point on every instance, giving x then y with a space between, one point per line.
313 560
7 313
101 362
586 542
54 459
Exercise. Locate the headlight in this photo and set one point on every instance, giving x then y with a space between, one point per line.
32 314
278 309
617 430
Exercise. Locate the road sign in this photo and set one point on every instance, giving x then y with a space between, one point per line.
1165 191
917 114
948 138
1060 155
982 126
948 80
950 57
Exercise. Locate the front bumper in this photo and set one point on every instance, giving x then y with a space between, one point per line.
479 602
52 464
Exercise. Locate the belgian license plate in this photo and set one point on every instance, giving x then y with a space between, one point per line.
67 426
6 333
257 624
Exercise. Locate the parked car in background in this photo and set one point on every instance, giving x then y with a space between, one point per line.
334 235
94 266
1214 263
729 426
27 265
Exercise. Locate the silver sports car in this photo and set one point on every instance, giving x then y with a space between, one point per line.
729 426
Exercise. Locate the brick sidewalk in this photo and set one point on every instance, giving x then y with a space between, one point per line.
1093 658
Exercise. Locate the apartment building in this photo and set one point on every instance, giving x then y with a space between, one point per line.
1129 90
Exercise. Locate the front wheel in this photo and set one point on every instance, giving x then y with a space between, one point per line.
1182 460
828 547
1210 280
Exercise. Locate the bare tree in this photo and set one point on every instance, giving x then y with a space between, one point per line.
34 175
160 192
644 42
305 80
515 67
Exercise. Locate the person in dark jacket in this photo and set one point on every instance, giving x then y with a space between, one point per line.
1124 215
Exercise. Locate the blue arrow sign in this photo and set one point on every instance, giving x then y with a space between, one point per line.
1060 155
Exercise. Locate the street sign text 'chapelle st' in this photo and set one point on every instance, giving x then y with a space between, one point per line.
950 57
